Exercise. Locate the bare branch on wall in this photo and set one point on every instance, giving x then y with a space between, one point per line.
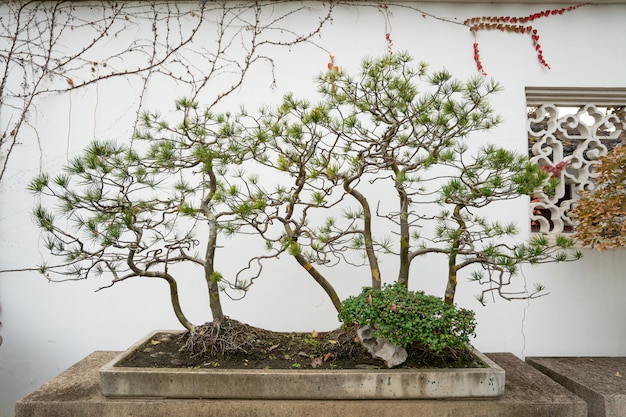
57 47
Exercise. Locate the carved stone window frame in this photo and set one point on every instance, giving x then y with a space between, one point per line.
569 129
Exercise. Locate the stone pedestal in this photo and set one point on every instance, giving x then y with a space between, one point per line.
601 382
76 393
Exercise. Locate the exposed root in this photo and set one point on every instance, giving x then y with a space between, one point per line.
221 337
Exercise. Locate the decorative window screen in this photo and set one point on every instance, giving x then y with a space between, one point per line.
569 129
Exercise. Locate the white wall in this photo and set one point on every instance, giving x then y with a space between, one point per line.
47 327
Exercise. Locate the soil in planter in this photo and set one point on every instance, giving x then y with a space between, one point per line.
234 345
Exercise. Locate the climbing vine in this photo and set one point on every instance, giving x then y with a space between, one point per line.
513 25
55 48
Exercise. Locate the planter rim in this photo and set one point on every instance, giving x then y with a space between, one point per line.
441 383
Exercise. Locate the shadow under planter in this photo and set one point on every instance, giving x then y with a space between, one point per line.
319 384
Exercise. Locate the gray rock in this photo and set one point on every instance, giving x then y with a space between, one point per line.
381 348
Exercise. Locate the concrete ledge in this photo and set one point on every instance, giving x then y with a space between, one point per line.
601 382
76 393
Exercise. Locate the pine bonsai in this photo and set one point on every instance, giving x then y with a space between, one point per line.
380 168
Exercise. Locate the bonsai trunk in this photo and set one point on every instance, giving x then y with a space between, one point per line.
403 273
368 241
176 304
319 278
211 277
454 250
314 273
182 319
451 286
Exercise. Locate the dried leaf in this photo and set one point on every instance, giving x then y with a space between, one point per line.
155 342
272 348
316 363
618 375
328 356
314 333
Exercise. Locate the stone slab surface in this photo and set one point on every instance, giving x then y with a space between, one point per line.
601 382
76 393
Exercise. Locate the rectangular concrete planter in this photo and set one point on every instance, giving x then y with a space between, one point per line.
117 381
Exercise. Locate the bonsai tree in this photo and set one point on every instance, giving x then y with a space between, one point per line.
140 211
384 151
601 213
397 132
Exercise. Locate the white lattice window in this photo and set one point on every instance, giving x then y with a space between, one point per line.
568 130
